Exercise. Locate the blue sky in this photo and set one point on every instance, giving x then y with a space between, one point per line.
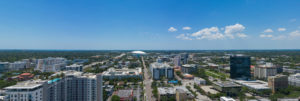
150 24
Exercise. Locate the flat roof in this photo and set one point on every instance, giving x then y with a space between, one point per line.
123 71
227 84
189 65
74 65
255 84
227 98
124 93
30 84
160 65
166 90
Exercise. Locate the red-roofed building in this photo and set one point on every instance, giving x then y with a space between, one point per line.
25 76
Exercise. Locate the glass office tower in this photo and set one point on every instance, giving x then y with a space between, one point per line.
240 67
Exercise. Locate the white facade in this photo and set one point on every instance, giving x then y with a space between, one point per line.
199 81
264 71
75 86
113 73
176 60
294 80
254 85
159 70
26 91
226 99
51 64
75 67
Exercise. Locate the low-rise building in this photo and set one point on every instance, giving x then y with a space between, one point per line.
188 76
230 88
164 92
278 82
256 85
183 94
125 95
288 99
75 67
113 73
294 80
199 81
291 71
25 76
223 98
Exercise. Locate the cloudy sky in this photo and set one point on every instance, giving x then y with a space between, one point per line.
150 24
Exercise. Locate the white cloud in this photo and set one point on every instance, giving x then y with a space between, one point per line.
172 29
208 33
272 37
214 33
241 35
280 37
268 30
281 29
291 35
294 34
265 35
234 29
186 28
183 37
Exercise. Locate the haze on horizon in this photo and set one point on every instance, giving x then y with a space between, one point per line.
150 24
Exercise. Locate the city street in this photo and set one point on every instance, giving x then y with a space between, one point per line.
147 82
191 84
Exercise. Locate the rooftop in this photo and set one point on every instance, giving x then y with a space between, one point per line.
30 84
74 65
189 65
267 65
124 93
26 74
255 84
166 90
138 52
123 71
227 84
227 98
160 65
75 73
297 76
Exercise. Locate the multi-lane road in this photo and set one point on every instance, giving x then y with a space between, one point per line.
147 82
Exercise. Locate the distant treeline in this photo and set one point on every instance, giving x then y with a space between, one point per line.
16 55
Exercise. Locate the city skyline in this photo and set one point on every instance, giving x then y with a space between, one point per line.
150 25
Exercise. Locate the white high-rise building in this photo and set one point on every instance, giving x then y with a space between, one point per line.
294 80
159 70
74 86
176 61
18 65
264 71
